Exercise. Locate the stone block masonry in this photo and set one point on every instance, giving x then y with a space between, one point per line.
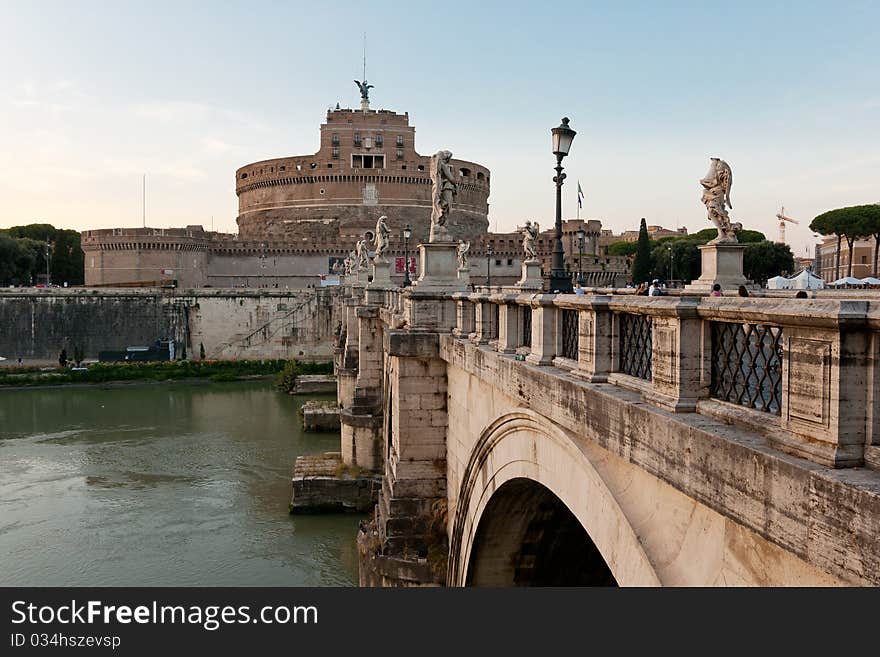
230 324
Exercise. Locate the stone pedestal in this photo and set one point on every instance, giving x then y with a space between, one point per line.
363 277
531 276
381 273
438 267
464 277
722 264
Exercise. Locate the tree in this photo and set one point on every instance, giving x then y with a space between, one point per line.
834 222
684 264
67 260
743 236
641 270
622 248
763 260
851 223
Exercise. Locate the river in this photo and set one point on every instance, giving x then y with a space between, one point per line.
162 485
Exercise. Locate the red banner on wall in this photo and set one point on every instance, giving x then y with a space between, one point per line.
398 265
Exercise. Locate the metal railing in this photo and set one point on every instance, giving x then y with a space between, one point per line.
636 344
570 334
747 365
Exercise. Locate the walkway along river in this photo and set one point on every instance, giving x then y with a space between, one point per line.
161 485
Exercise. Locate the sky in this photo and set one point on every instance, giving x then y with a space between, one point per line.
93 95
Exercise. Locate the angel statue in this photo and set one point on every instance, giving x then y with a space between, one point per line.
716 197
443 191
365 89
361 259
382 236
530 234
349 261
461 252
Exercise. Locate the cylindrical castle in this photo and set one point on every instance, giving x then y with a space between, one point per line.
366 166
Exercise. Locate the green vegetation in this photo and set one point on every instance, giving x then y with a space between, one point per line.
851 223
642 266
217 370
286 379
23 255
762 259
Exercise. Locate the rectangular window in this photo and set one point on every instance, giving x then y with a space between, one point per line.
378 140
357 139
368 161
399 153
509 262
497 263
335 140
399 141
335 153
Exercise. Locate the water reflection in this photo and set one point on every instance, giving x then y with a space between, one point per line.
161 485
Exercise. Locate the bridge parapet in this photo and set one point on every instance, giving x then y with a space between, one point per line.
799 372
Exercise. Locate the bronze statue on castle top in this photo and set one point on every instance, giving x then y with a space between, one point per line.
365 89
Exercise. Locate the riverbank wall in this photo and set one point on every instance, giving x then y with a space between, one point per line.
228 323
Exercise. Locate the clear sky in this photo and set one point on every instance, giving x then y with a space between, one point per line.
94 94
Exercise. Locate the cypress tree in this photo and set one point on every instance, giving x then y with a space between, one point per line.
641 270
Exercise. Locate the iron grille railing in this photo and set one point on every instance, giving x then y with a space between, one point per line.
635 345
570 334
493 321
526 313
747 365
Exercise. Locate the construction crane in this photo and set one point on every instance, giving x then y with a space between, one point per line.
782 219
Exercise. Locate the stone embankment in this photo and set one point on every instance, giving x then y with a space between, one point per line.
320 415
314 384
322 484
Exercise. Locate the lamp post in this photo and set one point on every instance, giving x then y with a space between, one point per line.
489 254
581 236
671 269
560 281
407 233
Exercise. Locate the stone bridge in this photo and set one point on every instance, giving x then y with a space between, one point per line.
609 439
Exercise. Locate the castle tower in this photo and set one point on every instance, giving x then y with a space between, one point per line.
367 165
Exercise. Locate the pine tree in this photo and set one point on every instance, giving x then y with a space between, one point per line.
641 270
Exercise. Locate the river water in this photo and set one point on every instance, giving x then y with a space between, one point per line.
162 485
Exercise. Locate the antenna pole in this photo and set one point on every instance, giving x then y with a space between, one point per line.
144 201
365 56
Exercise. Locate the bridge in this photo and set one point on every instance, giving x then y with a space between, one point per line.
525 438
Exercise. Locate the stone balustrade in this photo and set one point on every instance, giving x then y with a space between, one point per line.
799 372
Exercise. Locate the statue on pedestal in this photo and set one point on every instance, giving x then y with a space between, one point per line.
349 263
461 252
443 191
530 234
365 89
361 259
716 197
382 237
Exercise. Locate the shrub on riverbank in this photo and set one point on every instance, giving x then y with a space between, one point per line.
216 370
286 379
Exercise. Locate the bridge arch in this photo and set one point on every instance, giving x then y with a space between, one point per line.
526 474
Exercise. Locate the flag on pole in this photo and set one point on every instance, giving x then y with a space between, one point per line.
580 195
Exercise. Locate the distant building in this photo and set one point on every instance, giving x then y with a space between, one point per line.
299 216
654 232
826 258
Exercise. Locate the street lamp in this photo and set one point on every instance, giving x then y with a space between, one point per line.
407 233
560 281
671 269
489 254
581 236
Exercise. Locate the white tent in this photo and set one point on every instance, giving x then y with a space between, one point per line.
847 280
778 283
806 281
870 280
